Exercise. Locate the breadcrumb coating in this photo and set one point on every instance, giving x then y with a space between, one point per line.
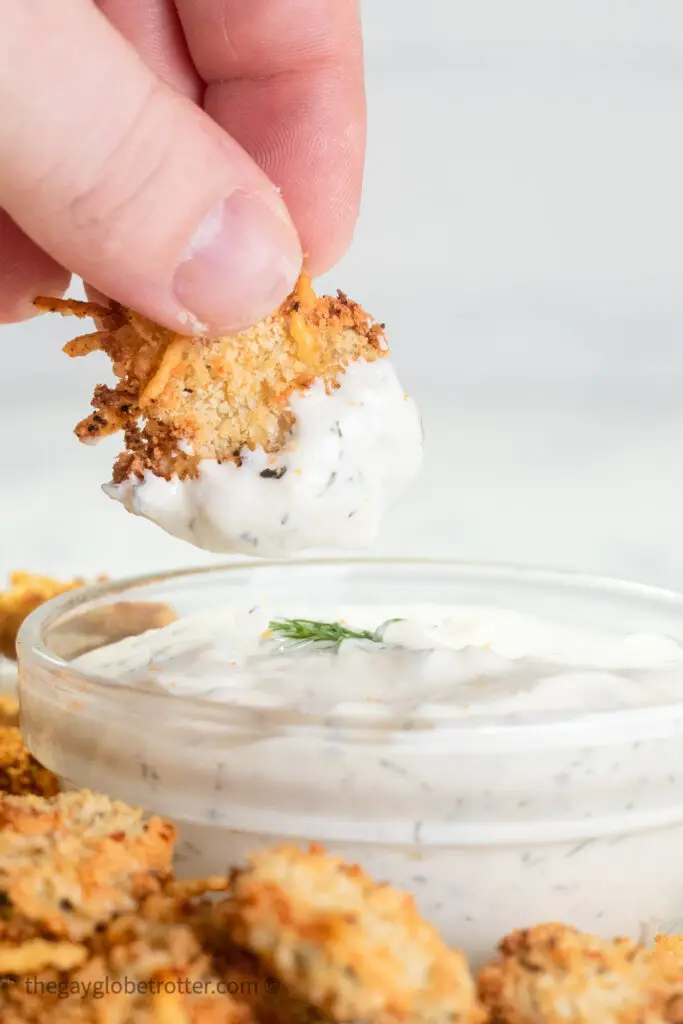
670 949
355 949
552 974
9 709
142 967
268 998
69 863
301 937
20 773
26 592
179 400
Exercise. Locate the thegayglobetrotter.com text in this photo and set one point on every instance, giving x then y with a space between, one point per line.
102 987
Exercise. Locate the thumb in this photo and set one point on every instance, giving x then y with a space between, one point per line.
128 184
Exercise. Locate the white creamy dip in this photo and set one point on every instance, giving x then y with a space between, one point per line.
350 454
504 768
433 661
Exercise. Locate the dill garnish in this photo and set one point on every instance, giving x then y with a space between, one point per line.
306 631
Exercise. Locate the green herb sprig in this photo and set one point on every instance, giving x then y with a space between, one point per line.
306 631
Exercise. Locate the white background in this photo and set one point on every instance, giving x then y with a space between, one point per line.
522 237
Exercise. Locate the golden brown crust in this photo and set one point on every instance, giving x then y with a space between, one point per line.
138 960
143 967
71 307
354 949
320 941
669 949
9 709
242 973
552 974
26 592
213 398
70 863
20 773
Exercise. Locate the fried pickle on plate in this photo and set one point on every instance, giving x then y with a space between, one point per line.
20 773
95 930
92 928
355 949
552 974
69 863
144 966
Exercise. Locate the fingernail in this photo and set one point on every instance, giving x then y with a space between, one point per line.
242 262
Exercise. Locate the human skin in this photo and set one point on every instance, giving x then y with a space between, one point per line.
141 142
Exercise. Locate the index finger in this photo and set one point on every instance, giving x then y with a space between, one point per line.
285 79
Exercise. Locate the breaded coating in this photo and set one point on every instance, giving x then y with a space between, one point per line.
69 863
142 967
179 400
26 592
20 773
553 974
39 954
252 981
9 709
353 948
670 948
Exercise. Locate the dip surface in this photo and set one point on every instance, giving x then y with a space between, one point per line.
436 661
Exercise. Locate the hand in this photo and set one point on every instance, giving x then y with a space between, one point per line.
138 143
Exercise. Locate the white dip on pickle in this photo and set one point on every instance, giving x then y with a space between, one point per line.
350 455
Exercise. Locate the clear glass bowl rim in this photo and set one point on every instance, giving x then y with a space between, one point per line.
629 723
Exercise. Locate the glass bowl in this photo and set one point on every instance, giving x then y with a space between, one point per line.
491 825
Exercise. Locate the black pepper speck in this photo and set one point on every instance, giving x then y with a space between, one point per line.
331 479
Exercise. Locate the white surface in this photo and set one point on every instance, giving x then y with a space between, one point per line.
521 238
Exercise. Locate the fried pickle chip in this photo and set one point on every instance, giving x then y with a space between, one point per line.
69 863
179 400
552 974
144 966
355 949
